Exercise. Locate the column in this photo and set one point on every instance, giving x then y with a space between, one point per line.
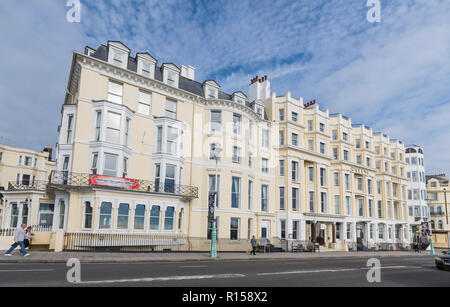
353 231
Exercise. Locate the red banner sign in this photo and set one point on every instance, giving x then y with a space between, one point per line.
115 182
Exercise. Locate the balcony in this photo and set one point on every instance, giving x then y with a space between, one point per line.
436 213
27 186
126 184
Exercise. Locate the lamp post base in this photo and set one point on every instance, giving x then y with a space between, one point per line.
213 253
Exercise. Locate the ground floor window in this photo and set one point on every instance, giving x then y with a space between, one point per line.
14 215
154 218
338 231
380 232
122 216
139 217
295 230
283 229
249 229
62 211
88 215
46 212
25 214
169 217
349 231
105 215
234 228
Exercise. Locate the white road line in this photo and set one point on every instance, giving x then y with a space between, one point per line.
163 278
328 270
307 272
36 270
194 266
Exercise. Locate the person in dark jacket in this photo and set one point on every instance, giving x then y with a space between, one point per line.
253 242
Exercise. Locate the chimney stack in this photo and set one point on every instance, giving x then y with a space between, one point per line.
259 89
48 149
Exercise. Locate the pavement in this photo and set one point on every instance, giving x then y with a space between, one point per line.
99 257
295 271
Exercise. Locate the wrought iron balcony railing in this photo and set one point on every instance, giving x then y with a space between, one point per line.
82 180
36 185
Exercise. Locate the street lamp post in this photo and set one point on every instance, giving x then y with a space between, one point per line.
445 199
216 150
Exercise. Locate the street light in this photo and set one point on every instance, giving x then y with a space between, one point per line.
446 209
216 150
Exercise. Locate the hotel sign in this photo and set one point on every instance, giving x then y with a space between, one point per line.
122 183
359 171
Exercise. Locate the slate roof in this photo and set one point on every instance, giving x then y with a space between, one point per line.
185 84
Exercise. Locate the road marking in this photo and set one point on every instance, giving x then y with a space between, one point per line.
36 270
307 272
193 266
328 271
194 277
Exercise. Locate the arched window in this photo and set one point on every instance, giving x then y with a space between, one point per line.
440 225
432 225
438 210
105 215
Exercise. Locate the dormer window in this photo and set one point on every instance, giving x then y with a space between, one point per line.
146 65
211 93
259 111
118 54
145 69
239 97
118 58
211 89
171 79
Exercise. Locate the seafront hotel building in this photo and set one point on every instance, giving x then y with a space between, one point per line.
289 171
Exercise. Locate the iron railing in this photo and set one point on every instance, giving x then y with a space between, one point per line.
85 180
9 232
36 185
126 242
80 180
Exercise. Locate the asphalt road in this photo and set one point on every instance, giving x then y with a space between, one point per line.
347 272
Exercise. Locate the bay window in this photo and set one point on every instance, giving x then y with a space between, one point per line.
154 217
105 215
110 167
122 216
169 218
139 217
113 128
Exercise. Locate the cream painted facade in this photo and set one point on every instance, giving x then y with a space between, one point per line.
287 172
438 205
23 169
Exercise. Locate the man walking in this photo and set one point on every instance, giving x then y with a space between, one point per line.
19 237
253 242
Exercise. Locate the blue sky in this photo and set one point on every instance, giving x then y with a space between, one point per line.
393 76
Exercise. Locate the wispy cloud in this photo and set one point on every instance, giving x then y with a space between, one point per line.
392 76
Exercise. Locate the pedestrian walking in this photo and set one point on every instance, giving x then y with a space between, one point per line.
27 239
19 238
253 242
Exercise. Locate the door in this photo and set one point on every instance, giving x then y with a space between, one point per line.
265 230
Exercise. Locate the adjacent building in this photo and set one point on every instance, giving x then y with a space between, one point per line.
437 191
22 169
134 157
417 189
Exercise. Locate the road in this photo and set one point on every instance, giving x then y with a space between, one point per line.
347 272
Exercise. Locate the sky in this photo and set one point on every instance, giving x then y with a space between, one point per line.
393 76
